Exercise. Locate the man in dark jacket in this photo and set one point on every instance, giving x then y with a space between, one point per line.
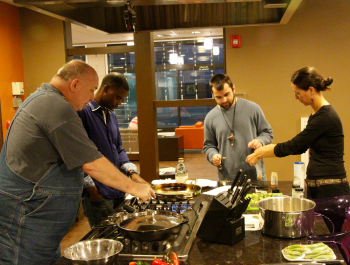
101 124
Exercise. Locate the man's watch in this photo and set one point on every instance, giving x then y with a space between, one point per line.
131 172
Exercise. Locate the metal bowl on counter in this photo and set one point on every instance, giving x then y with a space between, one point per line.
93 252
287 217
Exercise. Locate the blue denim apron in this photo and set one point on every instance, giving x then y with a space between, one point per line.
34 217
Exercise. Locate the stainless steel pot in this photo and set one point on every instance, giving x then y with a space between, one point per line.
287 217
172 192
150 225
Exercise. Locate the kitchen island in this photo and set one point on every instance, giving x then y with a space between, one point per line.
255 248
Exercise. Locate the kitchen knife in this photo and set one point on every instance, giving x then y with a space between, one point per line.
237 211
246 190
243 187
235 181
238 188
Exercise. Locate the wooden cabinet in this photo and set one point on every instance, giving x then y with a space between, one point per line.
170 147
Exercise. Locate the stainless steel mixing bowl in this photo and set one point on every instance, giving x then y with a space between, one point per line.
93 252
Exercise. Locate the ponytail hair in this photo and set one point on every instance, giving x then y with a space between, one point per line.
310 76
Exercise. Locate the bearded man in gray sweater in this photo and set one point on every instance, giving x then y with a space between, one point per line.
232 130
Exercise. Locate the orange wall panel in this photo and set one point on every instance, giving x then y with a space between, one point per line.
11 63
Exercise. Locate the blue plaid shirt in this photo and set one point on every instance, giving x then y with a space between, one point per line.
107 138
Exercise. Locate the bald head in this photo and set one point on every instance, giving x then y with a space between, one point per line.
73 69
77 81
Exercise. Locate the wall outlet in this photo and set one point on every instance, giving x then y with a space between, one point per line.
16 102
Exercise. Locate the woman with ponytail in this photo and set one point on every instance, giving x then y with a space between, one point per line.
323 135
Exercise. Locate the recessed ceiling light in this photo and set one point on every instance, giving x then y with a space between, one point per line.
216 50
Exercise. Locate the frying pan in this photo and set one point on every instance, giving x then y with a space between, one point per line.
172 192
150 225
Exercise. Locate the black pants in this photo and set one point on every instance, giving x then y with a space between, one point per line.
328 191
97 211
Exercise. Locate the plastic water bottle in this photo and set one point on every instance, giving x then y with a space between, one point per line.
299 174
181 174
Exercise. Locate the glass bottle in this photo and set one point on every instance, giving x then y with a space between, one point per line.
274 180
181 174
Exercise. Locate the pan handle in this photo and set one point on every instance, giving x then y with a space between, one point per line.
186 219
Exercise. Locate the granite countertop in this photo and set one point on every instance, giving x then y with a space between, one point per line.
255 248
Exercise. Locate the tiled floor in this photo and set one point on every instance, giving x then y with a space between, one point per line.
198 167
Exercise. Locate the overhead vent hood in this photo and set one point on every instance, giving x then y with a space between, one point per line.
119 16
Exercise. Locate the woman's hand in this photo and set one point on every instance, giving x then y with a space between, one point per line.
260 153
252 159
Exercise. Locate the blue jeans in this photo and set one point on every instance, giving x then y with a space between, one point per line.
34 217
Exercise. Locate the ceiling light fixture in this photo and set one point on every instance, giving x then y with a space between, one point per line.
208 43
173 58
216 50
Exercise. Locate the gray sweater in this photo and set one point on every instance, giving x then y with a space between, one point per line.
249 124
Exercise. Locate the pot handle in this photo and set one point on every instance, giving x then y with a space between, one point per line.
150 216
290 218
191 181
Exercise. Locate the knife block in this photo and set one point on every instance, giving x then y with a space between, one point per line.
217 226
231 232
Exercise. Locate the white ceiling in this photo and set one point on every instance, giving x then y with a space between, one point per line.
86 35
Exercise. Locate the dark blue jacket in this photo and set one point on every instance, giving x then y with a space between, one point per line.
108 141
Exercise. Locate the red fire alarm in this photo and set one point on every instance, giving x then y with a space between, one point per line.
7 124
236 41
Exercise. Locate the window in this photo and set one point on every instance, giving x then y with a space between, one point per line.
183 70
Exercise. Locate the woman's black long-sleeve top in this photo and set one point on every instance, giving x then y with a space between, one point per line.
324 136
